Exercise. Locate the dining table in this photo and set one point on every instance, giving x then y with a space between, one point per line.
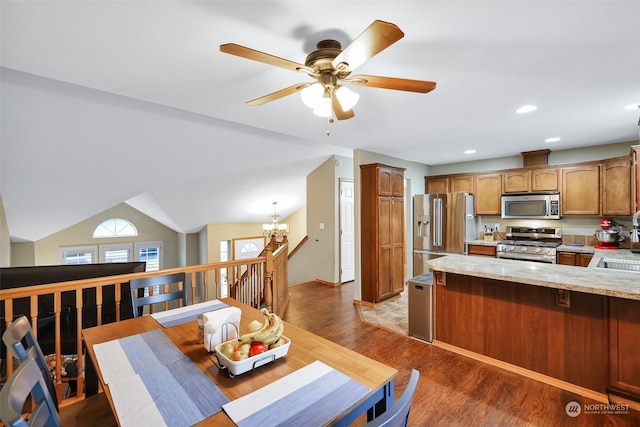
373 380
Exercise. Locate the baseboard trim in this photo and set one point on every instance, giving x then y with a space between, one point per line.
324 282
573 388
376 304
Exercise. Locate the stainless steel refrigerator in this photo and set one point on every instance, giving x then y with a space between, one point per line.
443 223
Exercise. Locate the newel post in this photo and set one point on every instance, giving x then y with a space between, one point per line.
268 278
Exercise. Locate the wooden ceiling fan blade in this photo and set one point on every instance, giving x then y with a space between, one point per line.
278 94
408 85
256 55
374 39
338 111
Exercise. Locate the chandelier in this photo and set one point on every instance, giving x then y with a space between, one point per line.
275 230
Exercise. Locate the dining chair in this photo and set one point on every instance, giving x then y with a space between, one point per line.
23 346
142 291
27 380
398 414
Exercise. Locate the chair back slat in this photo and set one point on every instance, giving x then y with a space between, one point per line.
27 380
139 300
23 345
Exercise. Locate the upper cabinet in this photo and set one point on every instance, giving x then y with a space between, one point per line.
461 183
580 193
488 192
635 180
616 187
547 179
390 181
516 181
436 184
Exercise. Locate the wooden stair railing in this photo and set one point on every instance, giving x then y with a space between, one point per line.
273 291
203 277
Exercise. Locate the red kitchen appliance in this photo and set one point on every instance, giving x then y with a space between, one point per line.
609 235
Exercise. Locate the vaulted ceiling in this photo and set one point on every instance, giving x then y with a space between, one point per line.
106 102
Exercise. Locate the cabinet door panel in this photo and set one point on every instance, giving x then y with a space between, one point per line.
624 345
436 185
488 190
398 238
462 183
581 190
616 187
385 182
545 180
516 181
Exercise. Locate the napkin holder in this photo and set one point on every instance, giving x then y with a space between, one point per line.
220 326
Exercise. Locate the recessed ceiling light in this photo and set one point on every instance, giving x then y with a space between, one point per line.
553 139
632 107
526 109
469 151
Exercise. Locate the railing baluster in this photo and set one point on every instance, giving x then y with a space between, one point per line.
250 288
99 304
79 366
57 309
117 296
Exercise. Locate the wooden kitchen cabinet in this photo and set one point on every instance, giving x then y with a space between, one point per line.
461 183
488 193
573 258
635 180
516 181
547 179
624 346
382 232
616 187
482 250
580 193
436 184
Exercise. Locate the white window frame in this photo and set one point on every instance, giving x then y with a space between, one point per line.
107 247
157 244
65 250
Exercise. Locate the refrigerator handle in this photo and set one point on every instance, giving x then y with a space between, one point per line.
437 222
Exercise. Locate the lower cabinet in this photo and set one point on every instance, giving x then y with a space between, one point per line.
624 346
482 250
573 258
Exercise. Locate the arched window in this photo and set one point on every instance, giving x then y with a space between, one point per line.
115 227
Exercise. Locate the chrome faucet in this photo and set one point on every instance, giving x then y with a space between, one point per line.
635 219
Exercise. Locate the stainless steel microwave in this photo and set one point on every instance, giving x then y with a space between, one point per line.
531 206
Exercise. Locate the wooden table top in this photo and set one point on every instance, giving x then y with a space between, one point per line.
305 348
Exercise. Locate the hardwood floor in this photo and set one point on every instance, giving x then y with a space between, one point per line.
453 390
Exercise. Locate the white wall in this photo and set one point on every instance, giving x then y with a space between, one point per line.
5 239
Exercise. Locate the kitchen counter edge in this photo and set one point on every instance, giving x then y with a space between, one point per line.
591 280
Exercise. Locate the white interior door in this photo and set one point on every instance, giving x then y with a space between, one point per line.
347 250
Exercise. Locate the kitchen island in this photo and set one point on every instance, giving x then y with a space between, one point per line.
576 327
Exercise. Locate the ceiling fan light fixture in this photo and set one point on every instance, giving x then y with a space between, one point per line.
323 108
347 97
312 95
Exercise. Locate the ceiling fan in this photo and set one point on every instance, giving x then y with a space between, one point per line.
330 66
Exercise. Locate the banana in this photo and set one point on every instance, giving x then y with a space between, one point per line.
250 336
271 333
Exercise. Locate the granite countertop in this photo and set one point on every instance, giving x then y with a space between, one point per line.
482 242
576 249
592 280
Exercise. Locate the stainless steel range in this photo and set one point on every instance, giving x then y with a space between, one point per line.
531 244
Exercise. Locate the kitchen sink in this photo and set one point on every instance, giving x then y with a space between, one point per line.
619 264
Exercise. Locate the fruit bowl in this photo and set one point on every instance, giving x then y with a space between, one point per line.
241 366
